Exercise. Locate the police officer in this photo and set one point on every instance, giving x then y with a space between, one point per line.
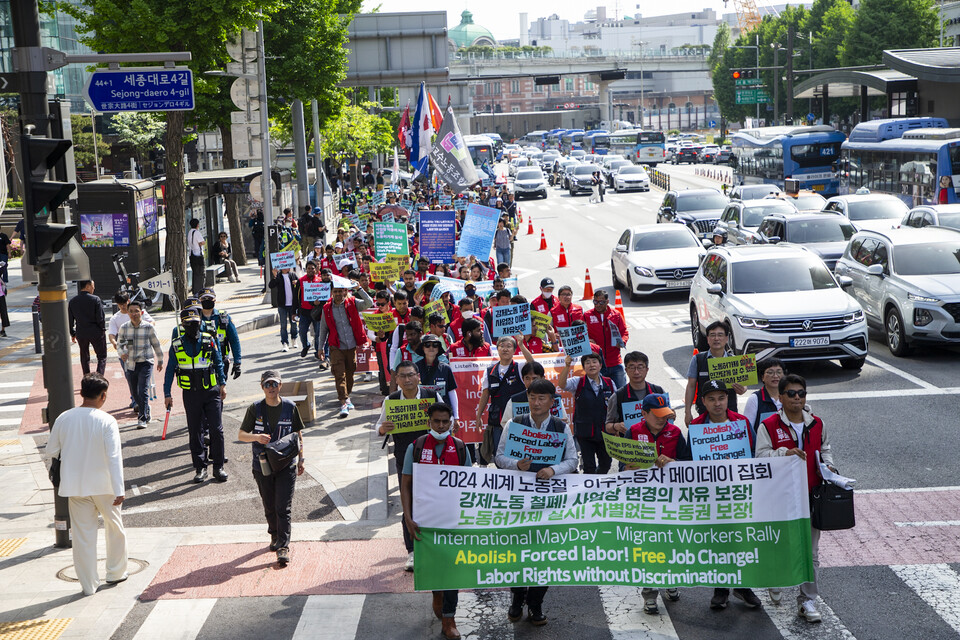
195 361
217 322
267 421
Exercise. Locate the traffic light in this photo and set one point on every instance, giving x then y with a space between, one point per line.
41 196
736 73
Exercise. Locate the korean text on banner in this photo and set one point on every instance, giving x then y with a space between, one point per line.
316 291
408 415
283 260
390 237
734 369
542 323
438 235
379 321
719 441
739 523
401 261
633 452
575 340
479 227
384 271
540 447
521 409
512 319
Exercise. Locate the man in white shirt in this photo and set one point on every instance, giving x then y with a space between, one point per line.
87 441
195 244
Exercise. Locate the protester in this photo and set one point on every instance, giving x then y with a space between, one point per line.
699 371
592 393
309 321
86 440
435 374
340 322
765 401
608 330
565 312
472 345
503 241
545 302
88 326
286 301
500 382
137 344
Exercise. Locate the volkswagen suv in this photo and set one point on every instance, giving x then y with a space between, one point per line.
778 301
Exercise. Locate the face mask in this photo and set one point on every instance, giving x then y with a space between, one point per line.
467 314
192 329
439 436
208 304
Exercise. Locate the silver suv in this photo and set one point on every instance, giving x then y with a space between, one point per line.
908 282
778 301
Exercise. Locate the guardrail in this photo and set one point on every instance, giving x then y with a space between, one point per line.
660 179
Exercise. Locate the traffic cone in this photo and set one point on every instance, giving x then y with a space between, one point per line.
618 306
587 287
563 258
543 241
530 226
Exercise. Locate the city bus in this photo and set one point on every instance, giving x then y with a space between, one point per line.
534 139
770 154
481 149
551 142
915 159
638 146
597 142
570 140
497 144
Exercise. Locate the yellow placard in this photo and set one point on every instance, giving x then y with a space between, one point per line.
637 454
383 271
408 415
734 369
379 321
542 323
436 306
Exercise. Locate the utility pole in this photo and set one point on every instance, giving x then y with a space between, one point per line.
266 181
790 73
318 158
300 152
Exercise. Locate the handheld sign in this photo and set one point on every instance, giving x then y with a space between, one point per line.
734 369
719 441
575 340
316 291
408 415
631 413
390 237
616 340
542 323
476 234
383 271
343 259
632 452
512 319
283 260
541 447
379 321
521 409
436 307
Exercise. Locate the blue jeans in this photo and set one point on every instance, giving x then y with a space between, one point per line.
287 315
615 373
139 382
503 255
306 323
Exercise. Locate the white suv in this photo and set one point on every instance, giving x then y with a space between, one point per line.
778 300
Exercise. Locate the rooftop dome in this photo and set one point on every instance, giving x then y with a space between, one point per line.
467 33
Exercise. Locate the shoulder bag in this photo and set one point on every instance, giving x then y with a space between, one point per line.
831 507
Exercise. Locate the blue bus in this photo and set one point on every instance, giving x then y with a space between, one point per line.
915 159
770 154
638 146
570 140
597 142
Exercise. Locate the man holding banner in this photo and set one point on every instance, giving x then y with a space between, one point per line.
540 395
501 381
699 371
307 321
608 330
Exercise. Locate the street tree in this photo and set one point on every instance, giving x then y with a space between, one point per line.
83 141
890 24
354 133
143 131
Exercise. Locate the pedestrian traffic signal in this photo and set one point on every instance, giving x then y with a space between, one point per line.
42 196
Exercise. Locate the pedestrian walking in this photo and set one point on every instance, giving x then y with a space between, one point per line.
607 329
698 372
138 344
309 321
256 230
195 244
340 324
275 419
5 243
86 441
88 326
594 189
286 302
223 254
4 316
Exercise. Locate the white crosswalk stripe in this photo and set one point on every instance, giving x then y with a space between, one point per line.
793 627
626 620
176 619
938 585
330 618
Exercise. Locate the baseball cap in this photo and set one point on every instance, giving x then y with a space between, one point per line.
546 282
657 404
317 210
270 374
317 243
712 385
189 315
208 293
339 245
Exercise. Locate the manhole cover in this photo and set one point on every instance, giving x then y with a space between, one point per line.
134 566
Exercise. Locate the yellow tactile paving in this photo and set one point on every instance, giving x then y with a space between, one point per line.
9 545
4 443
41 629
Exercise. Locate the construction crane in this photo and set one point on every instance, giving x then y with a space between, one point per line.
748 16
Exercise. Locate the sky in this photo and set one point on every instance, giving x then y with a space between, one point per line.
502 16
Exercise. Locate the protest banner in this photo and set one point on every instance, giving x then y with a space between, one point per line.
407 204
734 369
631 413
401 261
575 340
446 199
436 306
632 452
541 323
354 218
408 415
451 158
339 282
414 217
476 235
378 198
316 291
379 321
438 235
521 409
343 259
510 284
363 208
512 319
384 271
540 447
367 359
390 237
283 260
691 524
719 441
460 204
386 216
616 340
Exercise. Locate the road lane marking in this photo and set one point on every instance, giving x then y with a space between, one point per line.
877 362
622 606
790 625
674 374
929 523
609 227
591 218
22 383
937 585
330 617
176 619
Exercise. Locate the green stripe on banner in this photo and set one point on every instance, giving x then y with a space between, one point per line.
751 555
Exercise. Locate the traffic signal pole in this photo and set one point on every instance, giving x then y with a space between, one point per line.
57 370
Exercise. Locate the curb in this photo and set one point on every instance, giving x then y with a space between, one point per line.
260 322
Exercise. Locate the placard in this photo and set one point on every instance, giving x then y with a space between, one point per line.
384 271
540 447
446 199
476 235
541 323
401 261
438 235
436 307
523 408
575 340
346 258
283 260
408 415
390 237
316 291
511 320
379 321
734 369
632 452
719 441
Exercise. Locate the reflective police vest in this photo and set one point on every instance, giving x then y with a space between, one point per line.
216 325
197 372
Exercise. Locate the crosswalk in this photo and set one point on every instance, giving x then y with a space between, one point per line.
13 401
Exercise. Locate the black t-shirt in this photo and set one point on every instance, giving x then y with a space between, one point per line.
272 415
4 243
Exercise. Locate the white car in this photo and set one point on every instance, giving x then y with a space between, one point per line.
517 164
530 183
778 301
869 211
630 177
652 258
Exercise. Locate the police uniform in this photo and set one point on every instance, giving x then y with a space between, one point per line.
222 328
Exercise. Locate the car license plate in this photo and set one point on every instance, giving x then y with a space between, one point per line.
676 284
819 187
810 341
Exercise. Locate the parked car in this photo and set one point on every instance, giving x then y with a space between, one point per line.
581 180
778 301
530 183
741 218
827 236
654 258
698 209
908 282
942 215
753 191
708 153
630 177
874 211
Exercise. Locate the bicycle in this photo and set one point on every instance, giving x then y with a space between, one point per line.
130 283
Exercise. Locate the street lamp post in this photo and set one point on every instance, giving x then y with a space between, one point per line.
756 48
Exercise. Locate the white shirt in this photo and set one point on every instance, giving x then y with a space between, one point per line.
195 242
567 465
502 369
117 320
287 292
88 443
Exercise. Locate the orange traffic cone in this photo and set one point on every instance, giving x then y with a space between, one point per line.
563 258
543 241
618 306
587 287
530 226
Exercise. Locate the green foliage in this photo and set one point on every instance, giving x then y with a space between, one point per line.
837 25
354 133
83 142
890 24
144 131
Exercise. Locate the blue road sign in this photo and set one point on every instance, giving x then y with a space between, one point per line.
140 89
811 117
713 124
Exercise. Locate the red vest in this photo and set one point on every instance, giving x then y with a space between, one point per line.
534 344
460 350
781 435
328 263
449 456
564 317
402 319
666 440
598 329
359 334
541 305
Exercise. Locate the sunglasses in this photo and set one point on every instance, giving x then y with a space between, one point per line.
794 393
270 384
431 346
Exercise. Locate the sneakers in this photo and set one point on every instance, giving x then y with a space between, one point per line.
409 564
201 475
284 347
303 352
673 595
650 605
349 404
749 598
283 556
220 475
776 595
344 411
293 343
515 612
142 424
808 611
536 617
719 599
